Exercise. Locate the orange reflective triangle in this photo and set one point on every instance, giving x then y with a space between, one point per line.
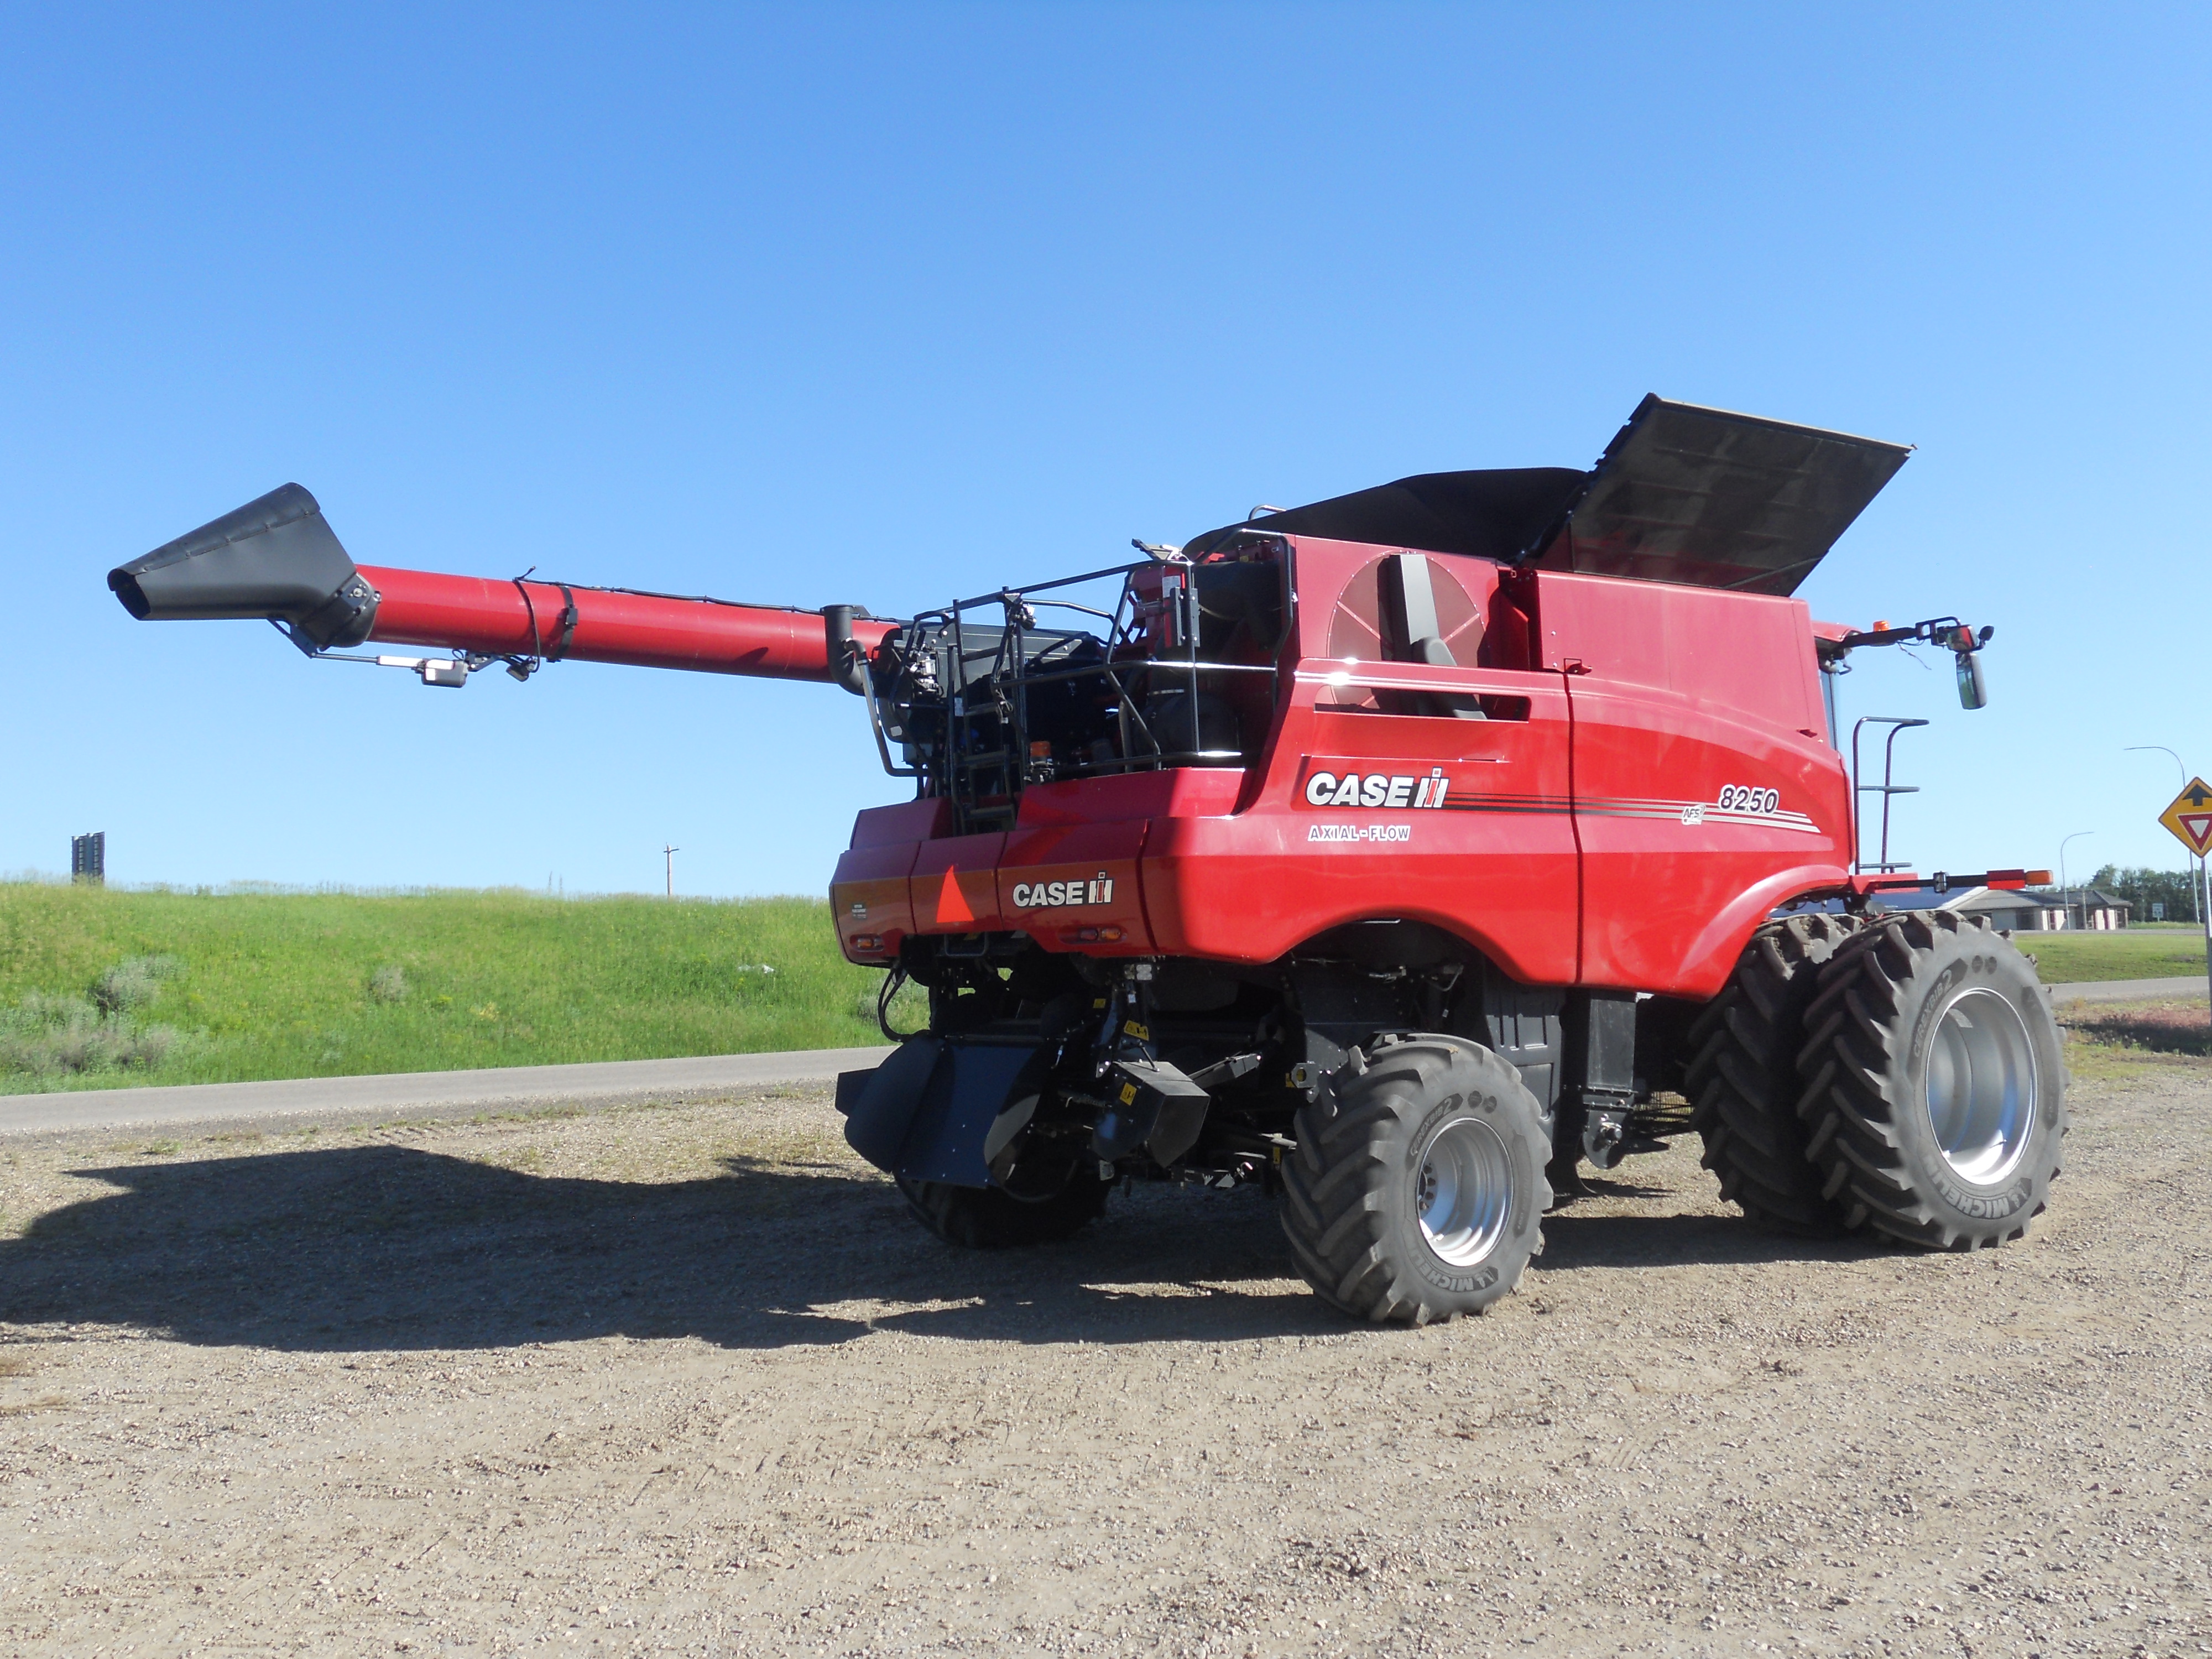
950 905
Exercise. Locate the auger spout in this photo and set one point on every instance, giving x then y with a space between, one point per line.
277 558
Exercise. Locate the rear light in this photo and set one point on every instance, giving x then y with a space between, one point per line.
867 941
1097 935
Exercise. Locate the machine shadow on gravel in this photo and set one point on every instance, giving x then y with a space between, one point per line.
1683 1241
391 1247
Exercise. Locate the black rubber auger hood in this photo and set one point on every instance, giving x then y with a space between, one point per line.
275 557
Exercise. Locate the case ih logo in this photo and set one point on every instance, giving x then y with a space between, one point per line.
1372 789
1061 895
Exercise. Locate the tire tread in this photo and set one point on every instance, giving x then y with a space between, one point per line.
1742 1078
1333 1211
985 1218
1849 1118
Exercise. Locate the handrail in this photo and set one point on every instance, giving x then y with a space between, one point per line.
987 701
1888 789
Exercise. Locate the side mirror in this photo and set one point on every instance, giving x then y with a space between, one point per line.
1973 689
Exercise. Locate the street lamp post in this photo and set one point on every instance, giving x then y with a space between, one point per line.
2065 892
2159 748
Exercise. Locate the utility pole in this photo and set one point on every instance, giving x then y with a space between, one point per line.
670 853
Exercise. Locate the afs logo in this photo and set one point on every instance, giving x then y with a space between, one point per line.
1063 895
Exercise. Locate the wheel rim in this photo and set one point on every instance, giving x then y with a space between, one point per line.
1465 1189
1981 1085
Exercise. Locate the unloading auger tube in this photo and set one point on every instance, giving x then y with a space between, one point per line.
277 558
1398 854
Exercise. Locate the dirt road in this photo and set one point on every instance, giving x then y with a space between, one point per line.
684 1379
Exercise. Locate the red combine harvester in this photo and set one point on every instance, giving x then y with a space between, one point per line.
1394 851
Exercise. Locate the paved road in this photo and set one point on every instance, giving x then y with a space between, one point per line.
2129 990
438 1093
435 1093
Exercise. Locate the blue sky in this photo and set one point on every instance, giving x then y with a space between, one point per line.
886 305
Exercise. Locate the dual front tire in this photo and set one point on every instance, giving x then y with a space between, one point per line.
1933 1104
1742 1078
1904 1077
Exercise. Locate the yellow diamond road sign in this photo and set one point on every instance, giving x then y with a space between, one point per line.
2190 818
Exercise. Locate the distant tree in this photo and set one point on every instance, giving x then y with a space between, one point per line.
2175 889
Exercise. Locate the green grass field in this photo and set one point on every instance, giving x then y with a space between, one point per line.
2133 953
100 987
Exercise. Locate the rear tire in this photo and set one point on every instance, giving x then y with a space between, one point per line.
1417 1193
990 1218
1935 1099
1743 1082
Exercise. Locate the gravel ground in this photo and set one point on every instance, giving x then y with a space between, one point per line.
685 1379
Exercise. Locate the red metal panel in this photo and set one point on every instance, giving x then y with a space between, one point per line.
1494 863
955 885
908 821
1681 812
1703 794
872 900
1074 886
1133 795
870 896
1745 653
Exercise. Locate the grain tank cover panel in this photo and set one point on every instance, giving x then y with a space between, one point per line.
1494 514
1712 499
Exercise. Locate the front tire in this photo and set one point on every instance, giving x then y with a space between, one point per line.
1743 1083
1417 1193
1935 1100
